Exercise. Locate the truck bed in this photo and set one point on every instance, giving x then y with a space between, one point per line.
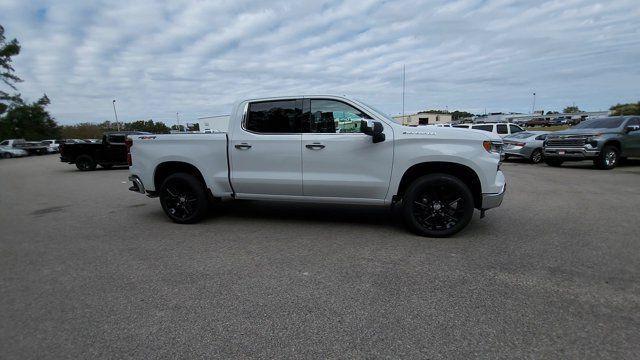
208 152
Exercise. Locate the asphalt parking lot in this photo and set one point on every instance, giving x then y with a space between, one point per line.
89 269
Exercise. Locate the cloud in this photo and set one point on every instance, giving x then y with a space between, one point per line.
197 57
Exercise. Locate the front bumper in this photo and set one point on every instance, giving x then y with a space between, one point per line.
490 201
577 153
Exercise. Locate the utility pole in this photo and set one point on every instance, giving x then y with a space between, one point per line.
116 114
178 120
533 107
403 76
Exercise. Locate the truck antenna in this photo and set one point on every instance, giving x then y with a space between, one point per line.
403 82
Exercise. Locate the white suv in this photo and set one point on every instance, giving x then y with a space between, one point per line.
501 129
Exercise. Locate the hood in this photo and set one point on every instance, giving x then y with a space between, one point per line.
429 131
583 132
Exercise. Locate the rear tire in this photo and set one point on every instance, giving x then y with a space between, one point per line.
85 163
553 162
608 158
536 156
437 205
183 198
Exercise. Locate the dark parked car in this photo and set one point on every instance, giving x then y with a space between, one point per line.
605 141
112 151
538 122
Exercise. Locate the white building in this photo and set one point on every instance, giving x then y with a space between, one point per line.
209 124
423 118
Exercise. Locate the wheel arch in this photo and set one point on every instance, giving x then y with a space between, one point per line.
613 142
167 168
462 172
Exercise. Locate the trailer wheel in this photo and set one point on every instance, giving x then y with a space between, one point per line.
85 163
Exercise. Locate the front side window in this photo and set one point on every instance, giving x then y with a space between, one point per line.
502 129
541 137
282 116
488 128
634 122
332 116
515 128
6 142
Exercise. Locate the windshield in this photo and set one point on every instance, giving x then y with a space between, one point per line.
522 135
604 123
382 113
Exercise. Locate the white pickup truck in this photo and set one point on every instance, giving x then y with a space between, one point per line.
323 149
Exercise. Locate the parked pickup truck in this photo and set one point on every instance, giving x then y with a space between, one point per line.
327 149
31 147
108 153
604 140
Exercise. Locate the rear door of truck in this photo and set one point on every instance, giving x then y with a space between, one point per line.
264 149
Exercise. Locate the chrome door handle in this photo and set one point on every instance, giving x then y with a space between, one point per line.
315 146
243 146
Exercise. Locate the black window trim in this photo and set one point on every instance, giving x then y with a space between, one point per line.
246 113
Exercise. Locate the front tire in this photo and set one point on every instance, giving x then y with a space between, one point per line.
536 156
85 163
608 158
7 155
183 198
437 205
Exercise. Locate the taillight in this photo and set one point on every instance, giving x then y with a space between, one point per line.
128 143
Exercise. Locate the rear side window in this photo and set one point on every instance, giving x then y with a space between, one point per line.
277 117
116 139
488 128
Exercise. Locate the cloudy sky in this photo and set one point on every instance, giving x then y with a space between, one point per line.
198 57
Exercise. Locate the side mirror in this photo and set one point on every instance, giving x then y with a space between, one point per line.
375 130
631 128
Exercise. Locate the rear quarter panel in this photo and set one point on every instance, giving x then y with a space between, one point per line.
207 152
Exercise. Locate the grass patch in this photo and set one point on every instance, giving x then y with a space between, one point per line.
548 128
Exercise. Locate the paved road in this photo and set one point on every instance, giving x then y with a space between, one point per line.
91 270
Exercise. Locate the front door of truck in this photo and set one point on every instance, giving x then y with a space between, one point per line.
631 141
265 152
338 159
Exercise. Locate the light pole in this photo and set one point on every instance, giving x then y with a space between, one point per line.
178 120
404 121
116 114
533 107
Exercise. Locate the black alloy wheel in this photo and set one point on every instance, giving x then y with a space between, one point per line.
183 198
438 205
